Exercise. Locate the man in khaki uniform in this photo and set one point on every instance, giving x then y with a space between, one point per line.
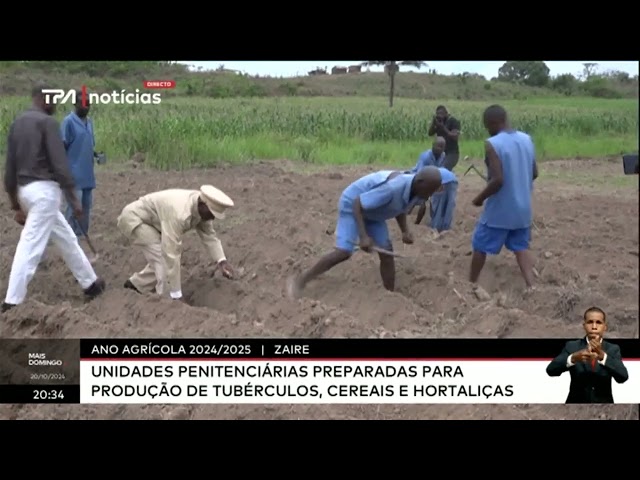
157 222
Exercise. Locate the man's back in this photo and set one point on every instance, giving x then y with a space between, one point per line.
447 176
171 202
383 195
510 207
36 151
428 158
171 205
362 185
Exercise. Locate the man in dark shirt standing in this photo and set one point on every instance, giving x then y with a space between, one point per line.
444 125
36 176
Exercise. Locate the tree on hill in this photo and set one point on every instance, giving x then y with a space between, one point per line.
391 67
530 73
589 70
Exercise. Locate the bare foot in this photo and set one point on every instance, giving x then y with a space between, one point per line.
294 289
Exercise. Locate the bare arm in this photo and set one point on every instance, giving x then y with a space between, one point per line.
535 163
421 212
402 222
357 213
433 127
495 174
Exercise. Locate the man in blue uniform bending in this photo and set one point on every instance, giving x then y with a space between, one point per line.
363 210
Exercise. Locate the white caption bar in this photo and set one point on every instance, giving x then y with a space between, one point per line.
331 382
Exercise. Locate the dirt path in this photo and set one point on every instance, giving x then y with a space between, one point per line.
586 248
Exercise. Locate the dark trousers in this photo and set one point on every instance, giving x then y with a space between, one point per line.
451 160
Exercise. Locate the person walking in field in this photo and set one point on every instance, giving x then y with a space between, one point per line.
507 215
446 126
36 176
363 210
79 142
157 222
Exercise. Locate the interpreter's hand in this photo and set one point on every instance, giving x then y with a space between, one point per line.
407 237
582 356
596 348
366 244
20 217
225 268
477 202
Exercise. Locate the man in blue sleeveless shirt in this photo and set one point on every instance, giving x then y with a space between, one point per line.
363 209
79 142
507 216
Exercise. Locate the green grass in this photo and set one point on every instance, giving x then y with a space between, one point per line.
189 132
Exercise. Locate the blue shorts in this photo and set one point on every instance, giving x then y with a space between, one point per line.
491 240
347 237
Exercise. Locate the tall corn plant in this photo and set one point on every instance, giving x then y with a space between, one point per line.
392 67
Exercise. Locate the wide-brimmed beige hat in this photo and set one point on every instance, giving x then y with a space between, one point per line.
216 200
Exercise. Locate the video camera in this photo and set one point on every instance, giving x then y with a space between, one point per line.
630 164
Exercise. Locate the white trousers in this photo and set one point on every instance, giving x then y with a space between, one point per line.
41 201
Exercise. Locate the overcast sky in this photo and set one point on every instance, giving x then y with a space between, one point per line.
487 69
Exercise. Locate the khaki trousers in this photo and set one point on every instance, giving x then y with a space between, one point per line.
153 275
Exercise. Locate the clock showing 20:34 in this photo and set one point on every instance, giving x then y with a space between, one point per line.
47 395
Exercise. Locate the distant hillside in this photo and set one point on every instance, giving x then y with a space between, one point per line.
16 78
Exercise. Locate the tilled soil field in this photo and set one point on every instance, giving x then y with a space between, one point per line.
585 243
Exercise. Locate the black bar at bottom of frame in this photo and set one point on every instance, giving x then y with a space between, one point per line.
39 394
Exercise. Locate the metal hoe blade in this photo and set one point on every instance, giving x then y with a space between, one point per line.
385 252
473 167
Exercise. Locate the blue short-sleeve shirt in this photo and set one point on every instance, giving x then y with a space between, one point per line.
79 142
381 198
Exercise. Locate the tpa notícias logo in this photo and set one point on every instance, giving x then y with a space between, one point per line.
59 96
